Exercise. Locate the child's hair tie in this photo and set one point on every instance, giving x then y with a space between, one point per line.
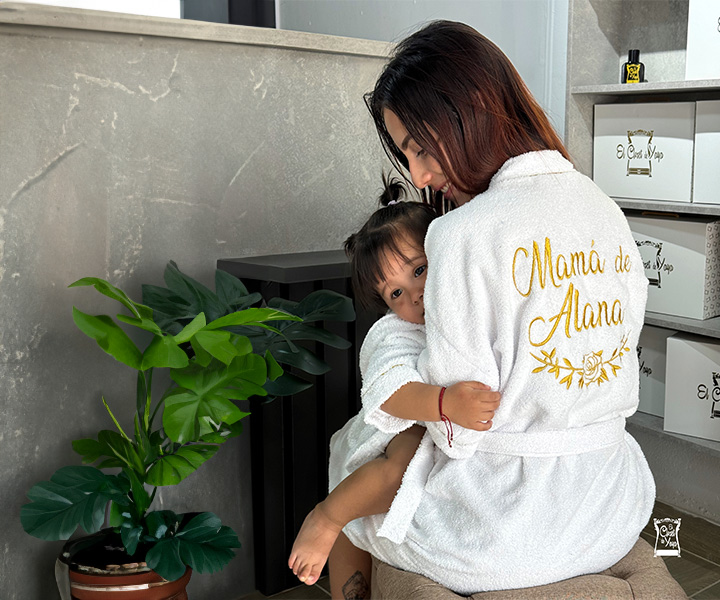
444 419
393 191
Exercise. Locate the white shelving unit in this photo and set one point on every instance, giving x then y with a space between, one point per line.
686 469
706 327
657 87
673 208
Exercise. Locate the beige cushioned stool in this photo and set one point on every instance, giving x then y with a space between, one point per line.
638 576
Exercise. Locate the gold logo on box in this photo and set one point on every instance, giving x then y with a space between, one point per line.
639 152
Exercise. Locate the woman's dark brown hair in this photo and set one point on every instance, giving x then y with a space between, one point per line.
448 83
398 221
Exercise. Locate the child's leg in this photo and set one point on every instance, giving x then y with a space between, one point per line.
350 571
368 491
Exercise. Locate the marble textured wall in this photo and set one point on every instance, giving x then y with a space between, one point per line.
126 142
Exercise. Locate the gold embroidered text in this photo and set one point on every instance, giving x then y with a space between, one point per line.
573 317
562 267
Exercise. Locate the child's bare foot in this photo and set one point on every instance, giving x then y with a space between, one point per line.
313 544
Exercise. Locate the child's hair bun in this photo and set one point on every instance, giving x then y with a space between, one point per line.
350 244
393 191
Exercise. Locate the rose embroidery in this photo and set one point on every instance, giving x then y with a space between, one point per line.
594 369
592 366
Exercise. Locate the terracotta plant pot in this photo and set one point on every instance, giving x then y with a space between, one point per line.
98 568
136 586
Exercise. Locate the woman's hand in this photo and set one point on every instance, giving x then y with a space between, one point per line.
470 404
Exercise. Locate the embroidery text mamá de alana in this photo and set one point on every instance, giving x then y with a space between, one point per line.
547 269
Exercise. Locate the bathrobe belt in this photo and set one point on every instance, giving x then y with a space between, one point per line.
562 442
565 442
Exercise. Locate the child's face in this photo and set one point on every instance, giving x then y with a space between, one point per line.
404 282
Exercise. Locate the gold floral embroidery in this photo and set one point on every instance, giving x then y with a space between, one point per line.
594 369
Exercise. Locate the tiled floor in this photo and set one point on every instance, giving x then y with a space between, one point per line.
697 569
319 591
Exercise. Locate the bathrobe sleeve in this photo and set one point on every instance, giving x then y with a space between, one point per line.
388 361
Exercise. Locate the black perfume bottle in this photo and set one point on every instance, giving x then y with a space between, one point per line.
633 71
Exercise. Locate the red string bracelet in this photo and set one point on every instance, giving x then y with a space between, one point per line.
444 419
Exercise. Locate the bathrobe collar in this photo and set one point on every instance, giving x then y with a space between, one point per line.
542 162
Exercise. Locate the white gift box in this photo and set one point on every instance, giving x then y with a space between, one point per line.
651 351
682 264
706 174
645 150
692 387
703 40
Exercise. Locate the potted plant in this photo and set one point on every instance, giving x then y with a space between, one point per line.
227 352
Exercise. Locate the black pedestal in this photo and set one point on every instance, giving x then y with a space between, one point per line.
290 436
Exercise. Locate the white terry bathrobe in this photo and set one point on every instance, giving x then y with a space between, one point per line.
536 288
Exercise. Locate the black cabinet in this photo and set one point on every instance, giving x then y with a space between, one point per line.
290 436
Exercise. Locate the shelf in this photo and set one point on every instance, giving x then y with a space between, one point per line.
657 87
654 425
706 327
289 268
685 208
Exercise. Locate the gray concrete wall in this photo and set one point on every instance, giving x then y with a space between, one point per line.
126 142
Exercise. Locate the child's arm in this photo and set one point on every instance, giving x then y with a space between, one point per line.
469 404
394 395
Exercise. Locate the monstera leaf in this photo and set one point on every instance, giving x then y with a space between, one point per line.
203 397
204 544
175 306
170 469
184 298
74 496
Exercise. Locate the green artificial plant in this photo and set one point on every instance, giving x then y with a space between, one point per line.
176 305
219 349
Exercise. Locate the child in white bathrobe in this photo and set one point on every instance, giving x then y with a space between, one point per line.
389 267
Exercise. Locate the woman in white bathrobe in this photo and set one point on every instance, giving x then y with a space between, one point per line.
535 287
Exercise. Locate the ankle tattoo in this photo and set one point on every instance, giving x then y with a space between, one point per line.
356 588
